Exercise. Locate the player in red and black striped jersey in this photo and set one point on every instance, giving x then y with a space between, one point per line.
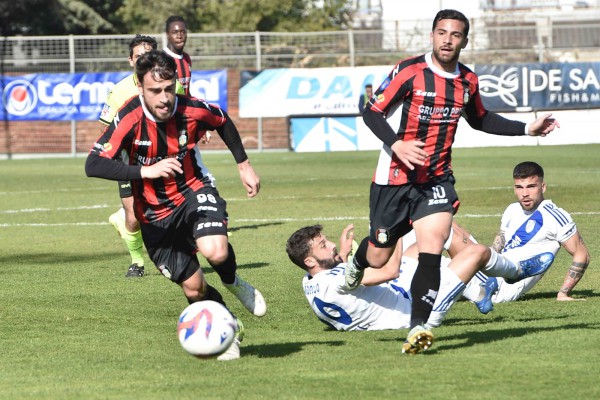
415 113
175 200
176 30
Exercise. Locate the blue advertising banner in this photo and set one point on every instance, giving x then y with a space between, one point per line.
65 97
549 86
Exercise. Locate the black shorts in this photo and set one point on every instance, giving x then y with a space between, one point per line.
171 241
394 208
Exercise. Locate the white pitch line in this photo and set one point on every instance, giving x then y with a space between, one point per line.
263 220
32 210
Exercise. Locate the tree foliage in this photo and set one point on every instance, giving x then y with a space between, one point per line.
59 17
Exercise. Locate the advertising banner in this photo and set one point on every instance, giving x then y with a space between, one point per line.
549 86
331 133
293 91
504 88
65 97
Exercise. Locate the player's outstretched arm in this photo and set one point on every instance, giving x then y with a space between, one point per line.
581 259
249 178
542 126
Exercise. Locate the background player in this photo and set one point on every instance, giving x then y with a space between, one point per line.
176 30
124 219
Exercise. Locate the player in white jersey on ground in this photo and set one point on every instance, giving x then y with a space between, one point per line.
530 227
383 300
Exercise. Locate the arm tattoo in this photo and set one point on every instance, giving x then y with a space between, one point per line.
573 276
499 242
465 239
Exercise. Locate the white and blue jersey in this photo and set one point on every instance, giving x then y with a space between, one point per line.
383 306
528 234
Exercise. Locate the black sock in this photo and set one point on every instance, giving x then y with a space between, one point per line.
360 257
424 287
227 269
210 294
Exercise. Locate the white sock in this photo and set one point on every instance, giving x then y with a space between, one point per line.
450 290
475 289
500 266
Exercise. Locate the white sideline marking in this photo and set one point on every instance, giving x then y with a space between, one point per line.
264 220
30 210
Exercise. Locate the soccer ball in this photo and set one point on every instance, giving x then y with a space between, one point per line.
206 328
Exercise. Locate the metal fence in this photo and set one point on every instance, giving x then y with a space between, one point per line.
497 38
492 40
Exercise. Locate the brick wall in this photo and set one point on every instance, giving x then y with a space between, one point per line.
23 137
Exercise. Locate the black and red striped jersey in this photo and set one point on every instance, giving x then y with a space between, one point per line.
184 69
423 102
148 142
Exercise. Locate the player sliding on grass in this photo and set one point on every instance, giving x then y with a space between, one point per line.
383 299
176 202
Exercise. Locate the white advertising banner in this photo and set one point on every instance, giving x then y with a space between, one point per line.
307 91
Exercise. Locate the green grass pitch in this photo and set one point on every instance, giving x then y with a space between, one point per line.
72 326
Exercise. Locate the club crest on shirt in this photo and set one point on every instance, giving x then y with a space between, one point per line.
530 226
466 98
183 139
382 235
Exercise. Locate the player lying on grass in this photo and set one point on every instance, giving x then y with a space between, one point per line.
383 301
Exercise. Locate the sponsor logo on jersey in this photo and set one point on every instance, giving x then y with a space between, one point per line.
107 146
385 84
422 93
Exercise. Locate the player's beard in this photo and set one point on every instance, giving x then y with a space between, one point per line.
330 263
447 59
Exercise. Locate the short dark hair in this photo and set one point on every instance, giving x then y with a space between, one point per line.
527 169
173 18
298 246
139 39
161 65
451 14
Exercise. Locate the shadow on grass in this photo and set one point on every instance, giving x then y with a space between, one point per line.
552 295
469 339
255 226
209 270
277 350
